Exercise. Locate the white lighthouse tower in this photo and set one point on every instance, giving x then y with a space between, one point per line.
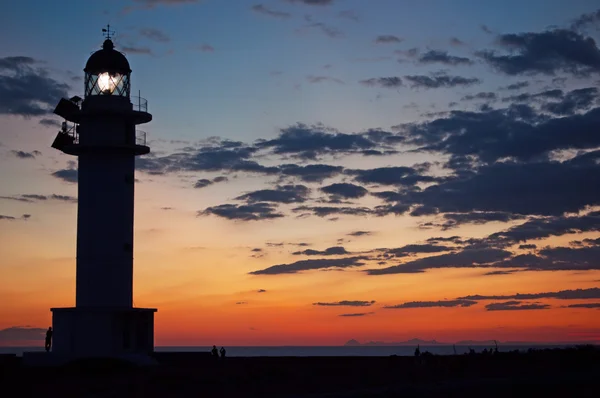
103 136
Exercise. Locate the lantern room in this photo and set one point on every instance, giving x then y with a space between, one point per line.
107 72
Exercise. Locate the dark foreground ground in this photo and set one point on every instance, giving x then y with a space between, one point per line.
548 373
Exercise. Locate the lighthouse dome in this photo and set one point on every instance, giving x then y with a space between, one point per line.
107 60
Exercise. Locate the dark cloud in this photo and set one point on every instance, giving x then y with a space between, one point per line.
311 172
27 89
416 248
528 247
539 228
400 175
154 3
347 303
241 302
261 291
31 198
249 212
68 175
330 251
325 211
345 190
308 265
136 50
22 333
327 30
320 79
357 314
462 259
454 220
202 183
312 2
50 122
262 9
155 35
430 304
573 102
440 80
547 52
26 155
455 41
577 294
387 39
591 18
515 306
384 82
517 86
500 272
584 305
485 96
442 57
282 194
360 233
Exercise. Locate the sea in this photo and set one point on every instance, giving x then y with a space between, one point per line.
326 351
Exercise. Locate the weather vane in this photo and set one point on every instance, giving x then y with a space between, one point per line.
107 32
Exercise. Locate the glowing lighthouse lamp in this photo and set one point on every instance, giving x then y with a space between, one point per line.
104 322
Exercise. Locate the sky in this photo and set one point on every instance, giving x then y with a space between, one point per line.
321 170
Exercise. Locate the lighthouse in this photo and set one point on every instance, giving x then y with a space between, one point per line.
100 130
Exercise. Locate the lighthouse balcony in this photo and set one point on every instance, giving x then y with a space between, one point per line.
68 142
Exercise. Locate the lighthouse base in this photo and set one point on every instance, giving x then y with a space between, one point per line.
120 333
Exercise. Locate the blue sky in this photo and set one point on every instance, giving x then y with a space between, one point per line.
428 151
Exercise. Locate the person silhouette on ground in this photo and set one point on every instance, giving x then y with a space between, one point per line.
223 352
48 339
215 352
418 351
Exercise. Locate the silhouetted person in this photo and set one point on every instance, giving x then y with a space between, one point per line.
417 351
48 339
215 352
223 352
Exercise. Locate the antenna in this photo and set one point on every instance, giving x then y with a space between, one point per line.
107 32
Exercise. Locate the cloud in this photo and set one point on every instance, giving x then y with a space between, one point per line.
430 304
31 198
486 96
416 248
262 9
527 247
308 265
327 30
349 14
312 2
517 86
577 294
136 50
154 3
387 39
591 18
455 41
155 35
515 306
249 212
22 333
442 57
360 233
462 259
261 291
584 305
453 220
356 314
26 155
67 175
203 183
383 82
573 102
320 79
330 251
399 175
23 217
345 190
241 302
347 303
282 194
539 228
50 122
26 89
548 52
440 80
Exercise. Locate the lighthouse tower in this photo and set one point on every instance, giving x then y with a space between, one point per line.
100 130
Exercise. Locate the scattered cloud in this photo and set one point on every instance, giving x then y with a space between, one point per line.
346 303
264 10
250 212
430 304
156 35
388 39
515 306
25 155
308 265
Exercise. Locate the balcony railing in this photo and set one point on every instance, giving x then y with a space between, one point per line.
139 104
140 137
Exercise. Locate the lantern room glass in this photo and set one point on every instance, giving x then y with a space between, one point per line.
107 83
